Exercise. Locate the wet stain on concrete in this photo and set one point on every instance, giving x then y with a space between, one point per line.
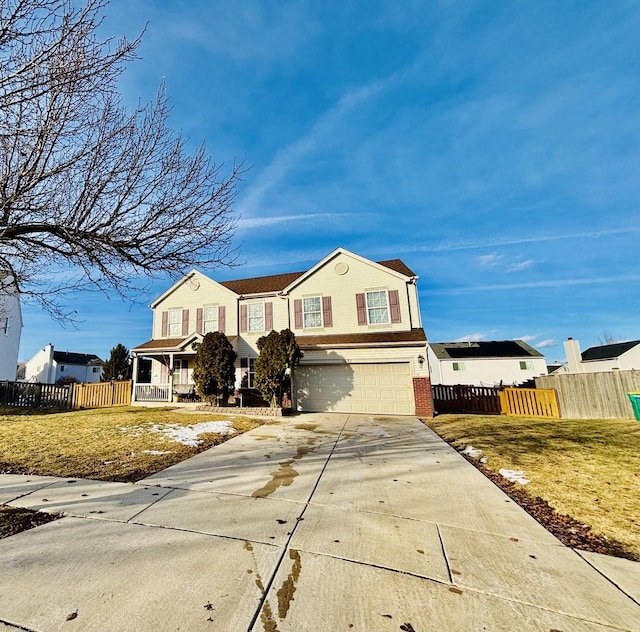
455 590
306 426
266 616
284 475
288 588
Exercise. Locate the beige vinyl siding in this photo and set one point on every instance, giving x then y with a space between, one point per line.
342 289
208 293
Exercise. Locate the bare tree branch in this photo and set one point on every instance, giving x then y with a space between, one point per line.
93 194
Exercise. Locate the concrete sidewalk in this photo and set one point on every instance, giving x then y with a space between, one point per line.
319 522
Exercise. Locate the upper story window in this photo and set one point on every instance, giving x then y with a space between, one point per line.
377 307
174 323
209 319
458 366
526 365
312 312
255 317
5 325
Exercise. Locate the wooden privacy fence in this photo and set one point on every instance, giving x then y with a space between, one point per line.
491 400
71 396
462 398
101 395
530 402
600 395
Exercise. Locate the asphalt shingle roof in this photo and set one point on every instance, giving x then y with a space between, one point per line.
608 352
380 337
83 359
277 282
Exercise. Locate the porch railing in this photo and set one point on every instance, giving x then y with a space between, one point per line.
153 393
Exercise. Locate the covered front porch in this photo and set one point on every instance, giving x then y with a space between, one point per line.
163 370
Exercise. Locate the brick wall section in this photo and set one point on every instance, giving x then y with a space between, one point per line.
423 397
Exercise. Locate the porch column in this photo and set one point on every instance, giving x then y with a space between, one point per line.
170 396
134 377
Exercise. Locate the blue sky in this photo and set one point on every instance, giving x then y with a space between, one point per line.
493 146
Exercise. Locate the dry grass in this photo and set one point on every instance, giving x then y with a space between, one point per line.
104 444
586 469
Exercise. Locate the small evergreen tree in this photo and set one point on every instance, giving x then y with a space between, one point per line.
278 352
118 366
213 370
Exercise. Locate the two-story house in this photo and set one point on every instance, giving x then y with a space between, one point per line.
10 328
48 366
357 322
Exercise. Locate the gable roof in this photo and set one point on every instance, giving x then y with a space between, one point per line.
82 359
279 282
484 349
608 352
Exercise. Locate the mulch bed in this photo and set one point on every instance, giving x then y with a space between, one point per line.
568 530
14 520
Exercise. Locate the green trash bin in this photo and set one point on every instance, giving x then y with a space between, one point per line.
635 402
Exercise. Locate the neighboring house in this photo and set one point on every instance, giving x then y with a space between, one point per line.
484 363
10 328
622 356
48 366
357 322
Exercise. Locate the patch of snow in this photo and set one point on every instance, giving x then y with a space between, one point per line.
474 453
515 476
155 452
380 432
188 435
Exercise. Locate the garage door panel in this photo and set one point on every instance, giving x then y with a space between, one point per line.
369 388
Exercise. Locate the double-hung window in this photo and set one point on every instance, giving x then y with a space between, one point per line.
248 372
526 365
174 323
312 312
209 319
255 317
377 307
458 366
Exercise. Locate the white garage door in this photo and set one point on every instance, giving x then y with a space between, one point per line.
356 388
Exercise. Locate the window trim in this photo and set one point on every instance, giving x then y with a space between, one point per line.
248 364
376 307
216 311
319 311
176 332
251 329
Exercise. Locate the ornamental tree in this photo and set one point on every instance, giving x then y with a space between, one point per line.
213 370
95 194
279 354
118 366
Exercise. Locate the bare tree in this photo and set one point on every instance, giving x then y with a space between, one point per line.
93 194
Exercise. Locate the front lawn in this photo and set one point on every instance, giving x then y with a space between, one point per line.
111 444
586 469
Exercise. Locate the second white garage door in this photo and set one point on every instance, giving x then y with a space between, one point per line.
356 388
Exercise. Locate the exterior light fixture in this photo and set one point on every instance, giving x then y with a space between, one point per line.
421 359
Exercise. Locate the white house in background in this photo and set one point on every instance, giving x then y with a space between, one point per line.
10 331
484 363
48 366
622 356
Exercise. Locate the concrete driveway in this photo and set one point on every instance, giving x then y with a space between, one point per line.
318 522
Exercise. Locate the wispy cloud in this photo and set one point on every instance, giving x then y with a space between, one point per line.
321 131
546 344
450 246
520 265
475 337
257 222
528 338
489 260
550 283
